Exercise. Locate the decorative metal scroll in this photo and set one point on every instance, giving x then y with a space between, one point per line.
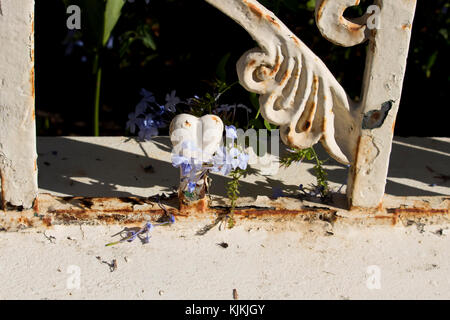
299 93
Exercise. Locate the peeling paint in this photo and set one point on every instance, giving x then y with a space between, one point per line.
375 118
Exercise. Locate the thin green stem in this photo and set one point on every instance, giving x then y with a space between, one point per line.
315 156
98 83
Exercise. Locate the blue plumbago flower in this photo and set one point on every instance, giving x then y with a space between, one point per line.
243 160
232 157
186 168
148 133
221 163
277 192
148 122
231 132
148 115
172 101
147 228
149 127
177 160
133 122
191 186
141 107
224 161
184 163
147 96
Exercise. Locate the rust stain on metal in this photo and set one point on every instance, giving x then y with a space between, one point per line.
307 213
321 8
32 85
419 211
375 210
353 28
393 218
276 67
36 205
406 26
51 210
47 221
200 206
272 20
285 77
310 115
316 84
253 8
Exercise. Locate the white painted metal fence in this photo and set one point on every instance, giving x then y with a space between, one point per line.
296 89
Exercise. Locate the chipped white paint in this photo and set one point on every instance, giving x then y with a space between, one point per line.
17 124
335 27
298 92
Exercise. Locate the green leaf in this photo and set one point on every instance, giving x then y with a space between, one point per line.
430 64
92 16
112 14
269 126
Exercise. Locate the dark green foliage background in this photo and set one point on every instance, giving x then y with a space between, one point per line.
183 44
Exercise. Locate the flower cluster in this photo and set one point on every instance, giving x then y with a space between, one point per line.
230 157
226 159
150 116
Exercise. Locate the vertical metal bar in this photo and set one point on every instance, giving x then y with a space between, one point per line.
17 115
382 88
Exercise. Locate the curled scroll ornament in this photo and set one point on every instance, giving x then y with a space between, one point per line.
297 91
